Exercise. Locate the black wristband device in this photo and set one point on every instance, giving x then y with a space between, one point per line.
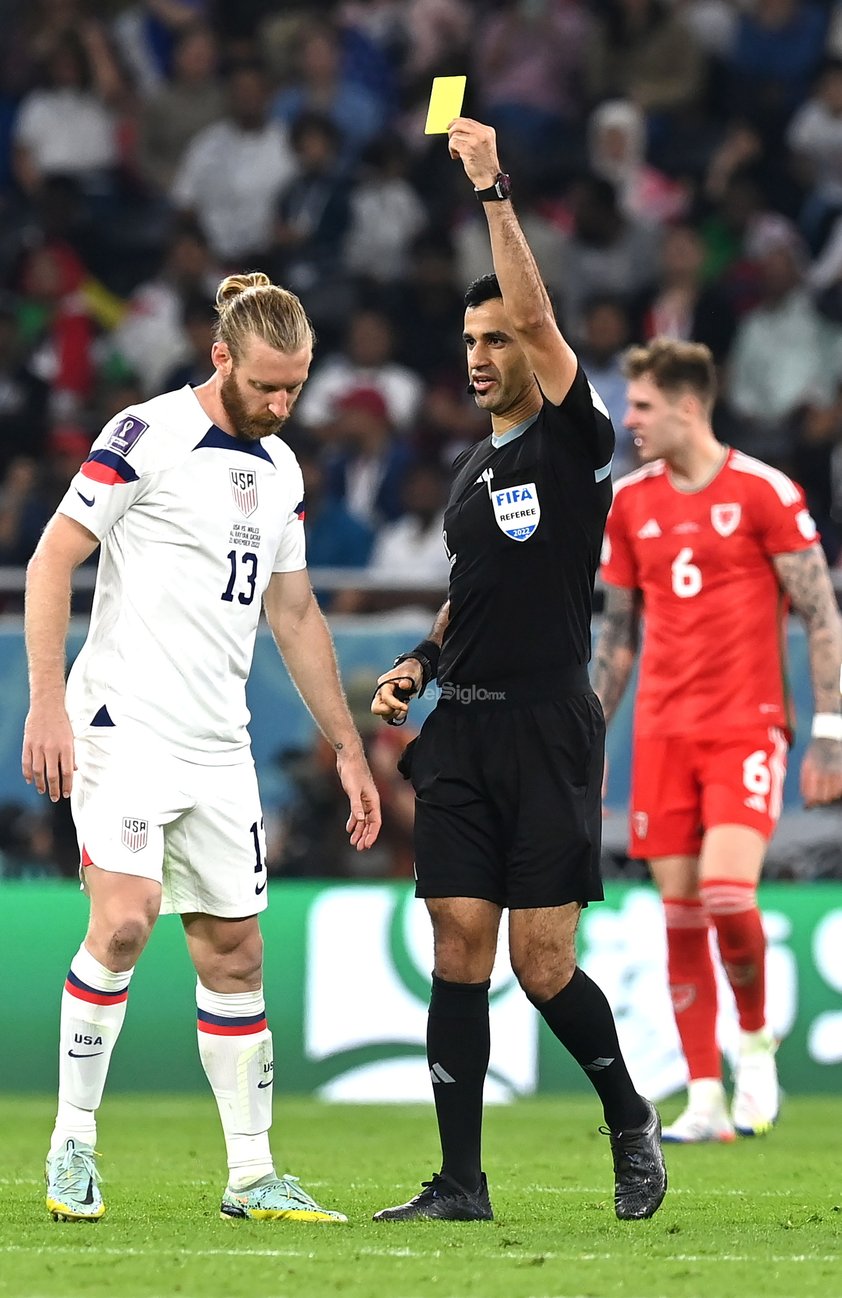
498 192
427 653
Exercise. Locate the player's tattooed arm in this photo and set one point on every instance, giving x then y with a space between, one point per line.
619 639
805 578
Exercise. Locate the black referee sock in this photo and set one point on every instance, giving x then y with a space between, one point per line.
458 1049
581 1018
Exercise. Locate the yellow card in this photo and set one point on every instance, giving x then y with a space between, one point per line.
445 103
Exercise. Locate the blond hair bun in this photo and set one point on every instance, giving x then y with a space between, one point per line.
233 285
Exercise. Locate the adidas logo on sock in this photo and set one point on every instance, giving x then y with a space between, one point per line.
439 1074
598 1065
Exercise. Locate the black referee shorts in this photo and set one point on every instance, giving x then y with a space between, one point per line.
509 801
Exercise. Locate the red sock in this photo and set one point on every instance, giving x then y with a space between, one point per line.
732 907
692 985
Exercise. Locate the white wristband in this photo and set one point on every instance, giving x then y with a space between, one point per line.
827 725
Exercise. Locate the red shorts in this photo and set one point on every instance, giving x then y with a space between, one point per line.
682 787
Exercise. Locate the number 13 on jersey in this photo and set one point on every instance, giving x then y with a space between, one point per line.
247 561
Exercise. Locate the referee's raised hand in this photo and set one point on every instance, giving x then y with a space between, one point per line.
475 144
394 688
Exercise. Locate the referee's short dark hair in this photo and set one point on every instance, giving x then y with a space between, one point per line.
482 290
675 366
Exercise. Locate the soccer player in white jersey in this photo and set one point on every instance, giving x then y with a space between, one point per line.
198 509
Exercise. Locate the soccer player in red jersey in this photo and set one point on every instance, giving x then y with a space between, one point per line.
712 546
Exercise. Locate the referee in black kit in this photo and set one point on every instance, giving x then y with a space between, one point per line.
507 769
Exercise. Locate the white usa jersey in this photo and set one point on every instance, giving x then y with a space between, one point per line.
192 524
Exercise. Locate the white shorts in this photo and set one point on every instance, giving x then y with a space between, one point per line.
196 830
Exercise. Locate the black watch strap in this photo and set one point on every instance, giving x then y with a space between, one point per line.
426 668
427 654
498 192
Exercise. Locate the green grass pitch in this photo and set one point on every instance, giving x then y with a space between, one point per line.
760 1217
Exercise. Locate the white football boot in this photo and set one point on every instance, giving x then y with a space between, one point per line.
757 1095
705 1119
73 1183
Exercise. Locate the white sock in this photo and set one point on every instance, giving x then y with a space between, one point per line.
235 1047
750 1042
706 1095
93 1007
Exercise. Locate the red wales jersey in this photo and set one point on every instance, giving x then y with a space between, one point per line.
714 636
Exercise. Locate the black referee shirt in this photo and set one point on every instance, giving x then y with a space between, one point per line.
523 529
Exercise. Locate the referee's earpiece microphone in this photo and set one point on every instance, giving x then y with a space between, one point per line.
471 389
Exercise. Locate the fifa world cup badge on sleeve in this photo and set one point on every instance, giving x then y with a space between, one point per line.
129 430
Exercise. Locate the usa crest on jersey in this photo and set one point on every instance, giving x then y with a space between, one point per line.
135 833
517 510
244 489
725 518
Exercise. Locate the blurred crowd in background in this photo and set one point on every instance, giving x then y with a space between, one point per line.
677 167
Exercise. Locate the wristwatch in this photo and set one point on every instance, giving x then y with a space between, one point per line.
427 672
498 192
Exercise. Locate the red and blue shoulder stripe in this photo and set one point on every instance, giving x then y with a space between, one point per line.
108 467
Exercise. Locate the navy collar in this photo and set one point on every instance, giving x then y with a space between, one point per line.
217 437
